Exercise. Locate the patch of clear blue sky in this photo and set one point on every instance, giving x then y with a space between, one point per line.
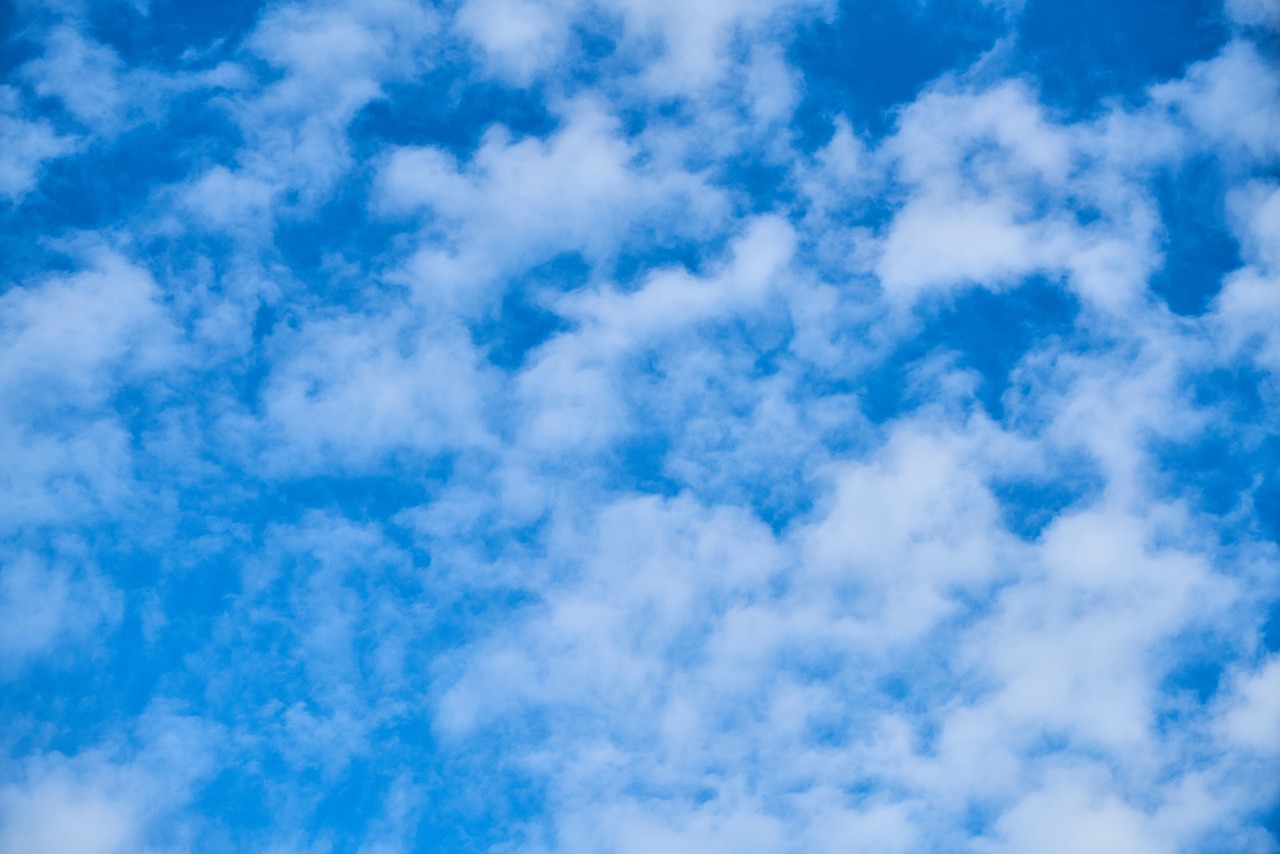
1084 51
874 57
170 28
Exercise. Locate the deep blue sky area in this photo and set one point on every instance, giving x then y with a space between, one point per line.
872 58
1086 52
563 426
162 32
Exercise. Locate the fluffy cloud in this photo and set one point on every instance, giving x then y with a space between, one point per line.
29 145
519 203
45 607
112 798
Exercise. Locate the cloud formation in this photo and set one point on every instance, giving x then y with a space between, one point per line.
524 425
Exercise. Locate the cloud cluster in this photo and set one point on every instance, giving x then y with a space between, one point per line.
506 425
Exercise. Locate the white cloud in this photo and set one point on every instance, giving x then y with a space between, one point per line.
110 799
994 189
571 392
415 385
654 665
99 90
517 203
520 38
334 60
28 145
1252 719
106 318
44 607
68 343
695 38
679 48
899 634
1256 12
1233 100
58 819
1068 818
85 76
1247 308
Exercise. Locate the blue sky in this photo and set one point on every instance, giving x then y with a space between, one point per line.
639 425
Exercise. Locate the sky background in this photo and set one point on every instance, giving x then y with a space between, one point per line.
640 426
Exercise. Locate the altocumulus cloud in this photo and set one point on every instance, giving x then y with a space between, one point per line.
640 426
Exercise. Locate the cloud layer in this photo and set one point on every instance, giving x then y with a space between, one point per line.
748 425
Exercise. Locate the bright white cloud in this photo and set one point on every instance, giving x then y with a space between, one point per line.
112 798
